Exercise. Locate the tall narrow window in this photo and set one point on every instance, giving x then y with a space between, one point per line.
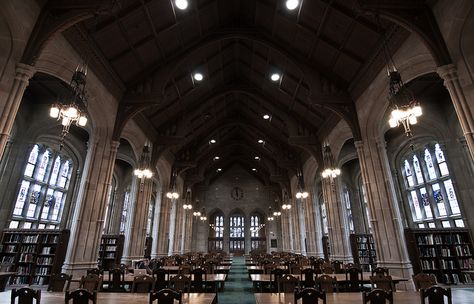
219 226
324 218
216 233
43 189
255 226
432 198
123 218
347 204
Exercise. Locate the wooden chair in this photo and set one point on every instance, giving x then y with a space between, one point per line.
143 284
327 283
160 279
165 296
181 283
377 296
383 282
185 269
275 276
26 295
423 281
435 295
354 279
308 275
349 265
58 281
327 268
116 280
288 283
199 280
80 296
380 271
310 296
95 271
337 266
91 282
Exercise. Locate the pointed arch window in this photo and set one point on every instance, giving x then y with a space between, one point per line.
40 199
347 204
432 198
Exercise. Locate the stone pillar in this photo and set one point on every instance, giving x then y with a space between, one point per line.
23 74
178 232
384 209
88 218
318 227
337 222
135 233
285 238
302 224
157 218
310 226
451 82
172 226
164 228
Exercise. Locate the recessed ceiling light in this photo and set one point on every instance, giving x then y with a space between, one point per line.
219 169
261 141
266 116
257 158
181 4
275 77
292 4
212 141
253 169
216 157
198 76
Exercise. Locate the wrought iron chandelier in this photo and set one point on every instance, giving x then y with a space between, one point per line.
71 113
301 192
286 201
143 171
187 200
330 172
172 193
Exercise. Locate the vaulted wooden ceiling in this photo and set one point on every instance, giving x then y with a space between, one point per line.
327 51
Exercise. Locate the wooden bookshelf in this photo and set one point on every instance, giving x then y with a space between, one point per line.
110 251
33 254
363 251
446 253
326 248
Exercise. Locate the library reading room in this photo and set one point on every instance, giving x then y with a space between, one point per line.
236 151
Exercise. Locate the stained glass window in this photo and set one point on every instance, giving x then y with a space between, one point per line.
347 204
123 218
219 226
255 226
432 196
40 199
237 226
324 216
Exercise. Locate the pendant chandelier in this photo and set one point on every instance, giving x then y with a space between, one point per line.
143 171
69 111
301 193
172 193
286 201
187 200
330 172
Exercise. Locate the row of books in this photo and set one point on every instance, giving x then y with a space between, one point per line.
448 239
17 238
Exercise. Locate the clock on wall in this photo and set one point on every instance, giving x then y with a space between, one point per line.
237 193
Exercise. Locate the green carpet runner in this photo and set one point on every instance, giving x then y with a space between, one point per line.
238 287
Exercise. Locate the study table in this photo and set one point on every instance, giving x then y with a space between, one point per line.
459 296
118 298
4 277
217 269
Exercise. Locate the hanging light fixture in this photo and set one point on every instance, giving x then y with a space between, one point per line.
301 193
187 200
405 109
270 214
70 111
286 201
203 216
172 193
331 171
143 171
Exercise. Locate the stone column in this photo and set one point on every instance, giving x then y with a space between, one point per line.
172 226
164 227
451 82
178 233
318 227
337 222
310 226
23 74
88 218
157 218
302 224
135 233
384 209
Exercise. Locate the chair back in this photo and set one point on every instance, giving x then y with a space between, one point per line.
326 283
435 295
58 281
94 271
181 283
81 296
383 282
310 296
160 278
185 269
165 296
143 284
327 268
377 296
308 275
275 276
116 279
288 283
338 266
90 282
380 271
26 295
354 279
423 281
